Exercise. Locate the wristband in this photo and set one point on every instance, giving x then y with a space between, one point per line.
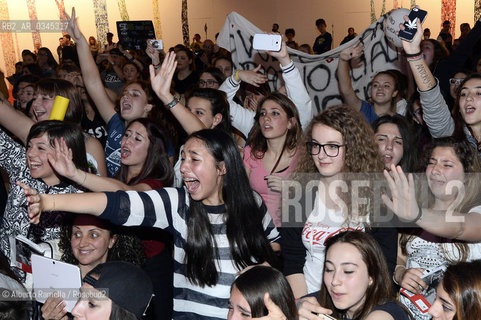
416 58
237 76
410 55
418 217
173 103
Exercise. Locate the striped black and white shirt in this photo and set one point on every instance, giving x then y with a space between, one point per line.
167 208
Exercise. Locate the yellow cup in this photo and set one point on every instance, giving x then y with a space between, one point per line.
59 108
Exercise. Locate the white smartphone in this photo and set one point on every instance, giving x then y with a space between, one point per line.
269 42
157 44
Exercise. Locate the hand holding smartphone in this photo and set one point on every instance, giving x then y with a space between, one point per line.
269 42
410 27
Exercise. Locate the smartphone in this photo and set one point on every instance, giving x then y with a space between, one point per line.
157 44
269 42
410 27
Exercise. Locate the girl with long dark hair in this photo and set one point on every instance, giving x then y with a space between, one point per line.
219 225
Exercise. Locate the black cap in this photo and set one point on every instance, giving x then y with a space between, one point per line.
128 285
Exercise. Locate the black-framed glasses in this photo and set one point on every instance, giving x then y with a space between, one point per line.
207 83
330 149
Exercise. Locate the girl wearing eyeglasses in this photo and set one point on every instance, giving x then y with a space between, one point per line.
211 78
338 142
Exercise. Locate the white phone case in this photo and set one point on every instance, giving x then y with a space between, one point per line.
270 42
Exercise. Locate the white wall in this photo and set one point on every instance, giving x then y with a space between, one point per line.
299 14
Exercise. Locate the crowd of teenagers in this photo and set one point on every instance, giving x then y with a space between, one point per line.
171 182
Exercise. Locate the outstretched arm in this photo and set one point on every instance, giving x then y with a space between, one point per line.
86 203
296 90
63 164
90 73
161 83
445 223
344 79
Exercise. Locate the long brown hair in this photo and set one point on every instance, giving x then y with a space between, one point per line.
380 291
462 282
258 142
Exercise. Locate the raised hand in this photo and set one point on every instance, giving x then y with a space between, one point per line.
403 192
153 54
282 55
72 27
162 81
354 51
414 46
253 76
61 161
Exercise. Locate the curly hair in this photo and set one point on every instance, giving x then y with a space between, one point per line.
126 248
362 152
258 142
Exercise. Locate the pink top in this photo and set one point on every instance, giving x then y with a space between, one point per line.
271 198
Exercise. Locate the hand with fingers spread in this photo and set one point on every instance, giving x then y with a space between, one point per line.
309 309
253 76
352 52
274 312
34 202
54 308
411 280
162 80
403 193
62 161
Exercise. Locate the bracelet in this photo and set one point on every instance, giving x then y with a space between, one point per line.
85 179
394 273
420 57
410 55
418 217
173 103
237 75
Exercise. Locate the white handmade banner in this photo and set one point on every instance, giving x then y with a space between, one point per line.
318 71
